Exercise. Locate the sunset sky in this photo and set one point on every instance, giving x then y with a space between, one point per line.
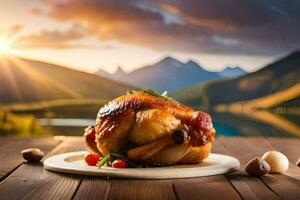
92 34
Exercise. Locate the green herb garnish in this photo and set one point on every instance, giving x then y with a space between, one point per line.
103 160
164 95
108 157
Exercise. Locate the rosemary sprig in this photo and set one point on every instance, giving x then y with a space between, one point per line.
106 158
103 161
164 95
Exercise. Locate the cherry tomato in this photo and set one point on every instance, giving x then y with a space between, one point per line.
119 163
91 159
202 121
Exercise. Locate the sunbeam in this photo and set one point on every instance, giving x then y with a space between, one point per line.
9 76
4 46
47 83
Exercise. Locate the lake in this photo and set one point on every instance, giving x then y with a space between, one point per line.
272 124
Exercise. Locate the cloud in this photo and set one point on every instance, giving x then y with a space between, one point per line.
200 26
10 32
15 29
51 39
36 11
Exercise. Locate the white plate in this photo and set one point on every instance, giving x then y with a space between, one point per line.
73 163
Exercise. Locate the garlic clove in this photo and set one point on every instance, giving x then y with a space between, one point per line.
277 161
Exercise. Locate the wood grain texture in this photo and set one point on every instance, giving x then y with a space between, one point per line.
12 147
212 187
248 187
244 149
31 181
93 189
141 189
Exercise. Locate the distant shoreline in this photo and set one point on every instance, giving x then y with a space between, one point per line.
40 105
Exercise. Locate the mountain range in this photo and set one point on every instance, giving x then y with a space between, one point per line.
169 74
278 78
232 72
24 80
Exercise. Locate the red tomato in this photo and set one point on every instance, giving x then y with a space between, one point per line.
91 159
202 121
119 163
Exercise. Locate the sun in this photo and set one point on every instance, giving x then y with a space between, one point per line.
4 46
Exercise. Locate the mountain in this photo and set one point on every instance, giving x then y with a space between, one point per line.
24 80
278 76
168 74
231 72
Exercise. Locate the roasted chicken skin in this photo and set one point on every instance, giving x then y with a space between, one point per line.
144 126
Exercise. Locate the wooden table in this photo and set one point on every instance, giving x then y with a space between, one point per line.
20 180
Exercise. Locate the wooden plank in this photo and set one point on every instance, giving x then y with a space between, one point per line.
217 186
212 187
141 189
10 151
54 186
285 186
31 181
93 189
247 187
247 148
290 147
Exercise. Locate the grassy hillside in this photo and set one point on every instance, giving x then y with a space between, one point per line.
275 100
24 80
275 77
20 125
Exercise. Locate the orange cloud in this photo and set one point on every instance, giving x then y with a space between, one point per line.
15 29
50 39
10 32
212 23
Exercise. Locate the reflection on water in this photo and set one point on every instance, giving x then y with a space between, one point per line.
229 124
235 125
66 122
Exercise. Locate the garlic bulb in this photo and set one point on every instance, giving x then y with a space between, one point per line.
277 161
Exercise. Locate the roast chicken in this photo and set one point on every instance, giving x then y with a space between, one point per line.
151 129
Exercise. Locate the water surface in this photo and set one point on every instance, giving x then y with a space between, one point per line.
227 124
